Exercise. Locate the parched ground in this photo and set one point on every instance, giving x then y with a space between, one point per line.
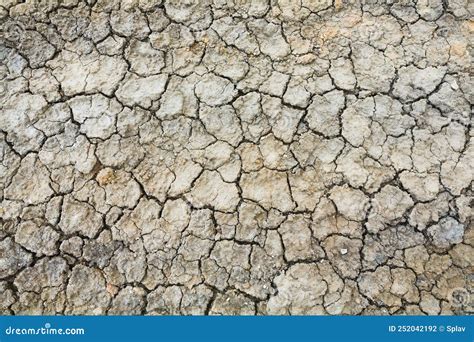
236 157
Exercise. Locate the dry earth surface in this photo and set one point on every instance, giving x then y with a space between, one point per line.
236 157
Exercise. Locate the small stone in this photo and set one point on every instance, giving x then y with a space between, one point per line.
346 260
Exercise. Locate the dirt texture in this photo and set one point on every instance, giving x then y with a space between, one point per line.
237 157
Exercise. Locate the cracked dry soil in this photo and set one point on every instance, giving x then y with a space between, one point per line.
236 157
